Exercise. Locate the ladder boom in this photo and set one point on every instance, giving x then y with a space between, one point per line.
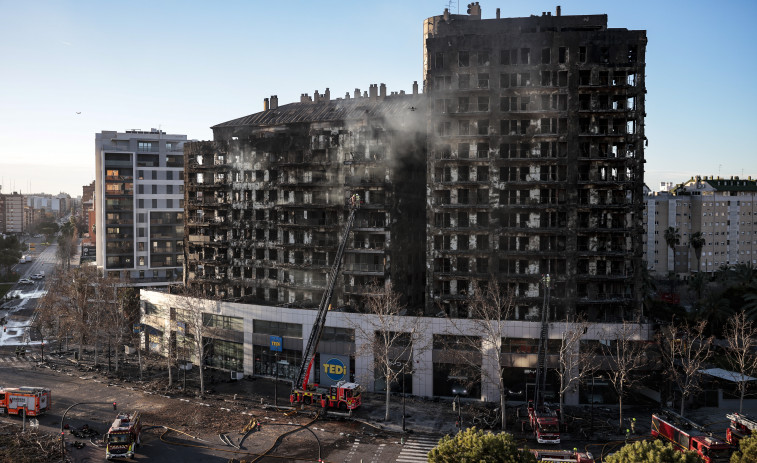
308 354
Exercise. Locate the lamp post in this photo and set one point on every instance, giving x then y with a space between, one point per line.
403 397
459 423
276 381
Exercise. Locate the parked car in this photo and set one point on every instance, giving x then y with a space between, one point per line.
25 281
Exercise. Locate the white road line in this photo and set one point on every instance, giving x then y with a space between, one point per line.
416 450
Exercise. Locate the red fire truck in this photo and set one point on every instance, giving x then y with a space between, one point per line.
563 456
741 426
687 435
544 423
122 438
36 400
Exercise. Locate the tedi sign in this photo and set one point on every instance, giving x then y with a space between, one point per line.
334 368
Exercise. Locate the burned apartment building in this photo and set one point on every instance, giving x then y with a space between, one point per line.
266 201
522 157
535 161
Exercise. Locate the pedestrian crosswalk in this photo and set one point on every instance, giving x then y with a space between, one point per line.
416 449
20 359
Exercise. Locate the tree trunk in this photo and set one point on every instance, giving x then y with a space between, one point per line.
620 410
387 392
562 397
168 363
502 405
139 357
115 356
81 345
683 401
199 367
742 386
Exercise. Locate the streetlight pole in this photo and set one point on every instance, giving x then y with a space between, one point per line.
276 381
403 397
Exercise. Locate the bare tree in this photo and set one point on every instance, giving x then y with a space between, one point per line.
194 315
624 351
489 310
392 335
68 299
574 364
741 336
684 350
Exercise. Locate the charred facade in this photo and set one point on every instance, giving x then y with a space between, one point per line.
523 157
536 161
266 201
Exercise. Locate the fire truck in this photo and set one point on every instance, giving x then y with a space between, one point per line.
36 400
344 395
563 456
122 438
741 426
684 434
543 421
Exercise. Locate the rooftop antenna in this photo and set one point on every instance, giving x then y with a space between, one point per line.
453 2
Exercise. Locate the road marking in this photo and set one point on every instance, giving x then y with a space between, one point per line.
416 449
377 455
352 451
14 359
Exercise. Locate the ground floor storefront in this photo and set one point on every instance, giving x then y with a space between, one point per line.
267 341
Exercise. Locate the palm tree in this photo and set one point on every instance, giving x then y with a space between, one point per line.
715 310
750 299
743 274
697 242
673 239
697 283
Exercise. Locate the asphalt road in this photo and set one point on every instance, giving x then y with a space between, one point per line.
344 442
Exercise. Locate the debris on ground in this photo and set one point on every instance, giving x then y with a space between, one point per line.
27 447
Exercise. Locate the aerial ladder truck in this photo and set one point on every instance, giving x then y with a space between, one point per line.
543 420
741 426
344 395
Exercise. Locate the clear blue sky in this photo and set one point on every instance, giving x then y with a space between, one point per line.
186 65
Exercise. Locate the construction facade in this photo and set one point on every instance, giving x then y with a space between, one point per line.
722 210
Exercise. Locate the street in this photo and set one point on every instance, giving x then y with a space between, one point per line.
201 420
20 302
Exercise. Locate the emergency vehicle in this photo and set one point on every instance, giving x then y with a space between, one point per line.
36 400
563 456
122 438
741 426
684 434
544 423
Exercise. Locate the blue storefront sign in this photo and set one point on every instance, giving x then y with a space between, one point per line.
276 344
334 368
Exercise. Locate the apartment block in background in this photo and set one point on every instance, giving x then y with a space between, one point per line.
139 205
723 210
13 214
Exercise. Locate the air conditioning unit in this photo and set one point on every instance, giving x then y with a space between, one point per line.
237 375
